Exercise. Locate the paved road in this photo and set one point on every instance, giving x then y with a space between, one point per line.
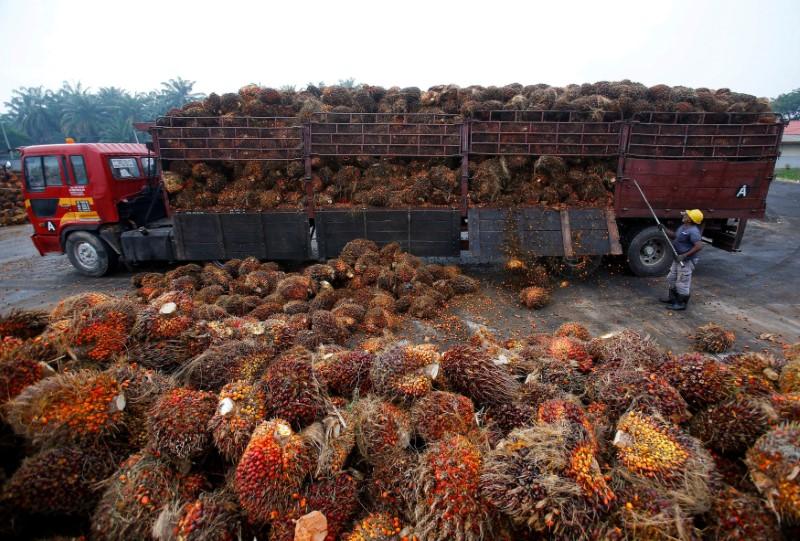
752 292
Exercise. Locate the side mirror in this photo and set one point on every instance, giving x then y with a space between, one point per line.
8 164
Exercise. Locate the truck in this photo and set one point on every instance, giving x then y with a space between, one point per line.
103 204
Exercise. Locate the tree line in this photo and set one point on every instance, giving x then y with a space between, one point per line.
35 115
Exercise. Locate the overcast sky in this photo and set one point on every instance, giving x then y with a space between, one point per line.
748 46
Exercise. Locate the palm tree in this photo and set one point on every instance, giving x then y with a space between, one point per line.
82 113
176 92
117 130
34 110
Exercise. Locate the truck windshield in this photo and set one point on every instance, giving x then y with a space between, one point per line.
124 168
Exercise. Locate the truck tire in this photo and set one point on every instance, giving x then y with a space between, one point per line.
648 253
89 254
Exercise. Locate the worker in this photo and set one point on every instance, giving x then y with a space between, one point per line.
687 241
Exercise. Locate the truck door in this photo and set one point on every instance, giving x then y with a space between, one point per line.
46 189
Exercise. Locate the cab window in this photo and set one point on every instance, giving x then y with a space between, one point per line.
41 172
149 166
79 170
124 168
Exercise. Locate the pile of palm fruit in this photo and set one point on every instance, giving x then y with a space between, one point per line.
12 204
365 181
241 402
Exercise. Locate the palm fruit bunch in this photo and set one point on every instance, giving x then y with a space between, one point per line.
645 512
336 497
100 333
448 499
23 323
544 478
380 526
621 388
212 516
774 463
240 409
569 377
59 481
711 338
534 297
629 347
786 405
405 372
70 306
758 372
270 474
392 484
472 372
652 450
142 388
178 424
700 379
216 366
291 391
570 350
737 515
789 381
69 407
573 329
440 413
165 320
345 373
462 284
731 427
135 495
381 429
18 370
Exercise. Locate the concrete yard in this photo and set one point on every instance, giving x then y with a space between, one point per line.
756 292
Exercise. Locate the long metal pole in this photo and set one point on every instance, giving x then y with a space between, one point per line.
660 228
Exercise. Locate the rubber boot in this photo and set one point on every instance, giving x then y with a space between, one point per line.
671 296
680 303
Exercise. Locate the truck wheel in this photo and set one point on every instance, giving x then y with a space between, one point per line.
648 253
89 254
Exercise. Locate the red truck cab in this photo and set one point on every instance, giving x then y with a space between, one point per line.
80 196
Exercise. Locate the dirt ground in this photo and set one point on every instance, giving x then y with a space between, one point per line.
755 292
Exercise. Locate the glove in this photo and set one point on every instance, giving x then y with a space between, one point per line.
681 258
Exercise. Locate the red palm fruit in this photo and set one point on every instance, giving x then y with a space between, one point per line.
59 481
502 418
393 481
534 297
731 426
271 471
142 388
786 405
134 497
212 516
100 333
472 372
376 320
405 372
573 330
382 429
23 323
240 409
70 407
17 373
565 349
737 515
178 423
214 275
711 338
296 287
380 527
701 380
327 326
291 391
774 461
789 381
215 367
68 307
440 413
345 373
757 372
558 410
448 501
621 389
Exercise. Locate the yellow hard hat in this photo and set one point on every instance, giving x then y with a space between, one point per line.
695 215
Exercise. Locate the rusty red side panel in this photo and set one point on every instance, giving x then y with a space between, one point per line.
712 186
